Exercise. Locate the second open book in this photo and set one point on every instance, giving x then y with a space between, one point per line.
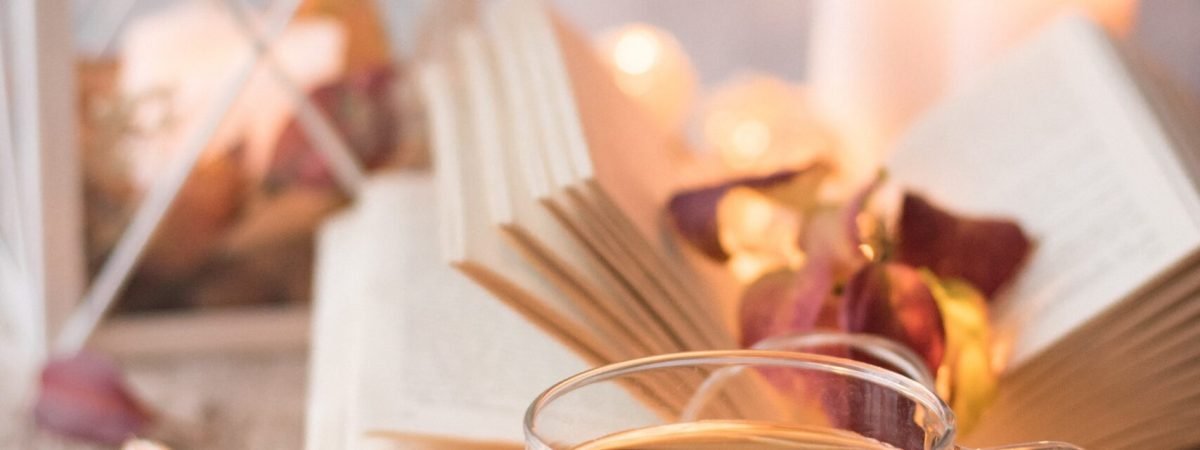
549 192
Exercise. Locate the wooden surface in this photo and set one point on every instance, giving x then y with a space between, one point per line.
215 401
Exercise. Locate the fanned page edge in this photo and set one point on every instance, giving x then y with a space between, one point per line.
638 184
1059 384
545 72
447 140
537 229
492 261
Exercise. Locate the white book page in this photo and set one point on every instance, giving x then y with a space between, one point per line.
471 242
585 118
1057 138
534 227
442 357
486 185
337 286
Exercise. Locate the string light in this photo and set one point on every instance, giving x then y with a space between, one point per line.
758 122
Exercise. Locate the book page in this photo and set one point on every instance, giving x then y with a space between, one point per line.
1057 138
620 166
336 289
442 357
535 228
527 281
475 243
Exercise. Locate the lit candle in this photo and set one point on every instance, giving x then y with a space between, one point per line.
650 66
761 123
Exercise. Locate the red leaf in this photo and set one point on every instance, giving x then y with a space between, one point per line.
986 252
84 396
694 212
892 300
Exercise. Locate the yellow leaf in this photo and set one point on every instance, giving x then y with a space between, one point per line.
966 379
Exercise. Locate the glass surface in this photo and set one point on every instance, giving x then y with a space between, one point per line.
746 399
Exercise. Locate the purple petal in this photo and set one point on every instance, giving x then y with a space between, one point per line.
892 300
986 252
85 397
785 302
694 212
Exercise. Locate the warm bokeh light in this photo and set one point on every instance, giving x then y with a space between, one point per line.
750 140
867 251
761 123
650 66
760 234
637 51
747 267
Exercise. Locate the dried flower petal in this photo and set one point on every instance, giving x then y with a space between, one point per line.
785 302
892 300
84 396
966 379
983 251
694 212
824 239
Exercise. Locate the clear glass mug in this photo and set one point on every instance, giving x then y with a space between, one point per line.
780 397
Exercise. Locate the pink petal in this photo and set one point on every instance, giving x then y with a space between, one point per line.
785 302
986 252
84 396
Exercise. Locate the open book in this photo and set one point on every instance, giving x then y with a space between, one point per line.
1099 159
550 183
550 188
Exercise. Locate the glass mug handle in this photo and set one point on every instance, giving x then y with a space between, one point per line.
898 356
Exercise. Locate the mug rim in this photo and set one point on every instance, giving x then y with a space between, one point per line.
901 384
